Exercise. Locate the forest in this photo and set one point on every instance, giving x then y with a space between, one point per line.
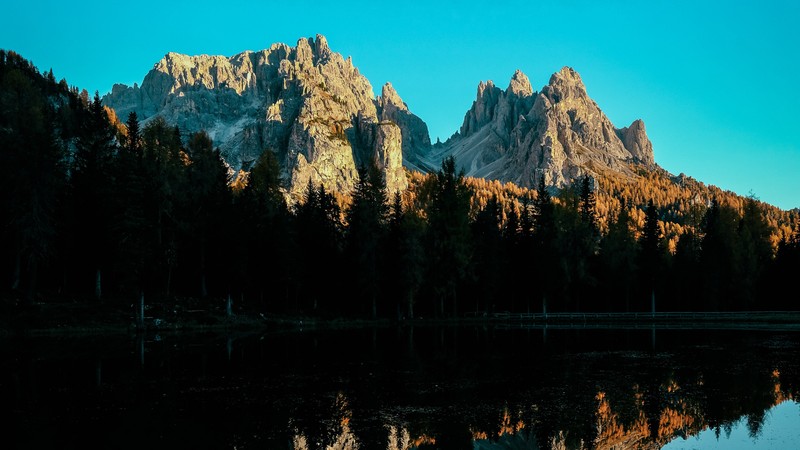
96 210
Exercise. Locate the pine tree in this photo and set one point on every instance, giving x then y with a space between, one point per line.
129 225
265 240
651 253
547 267
519 259
618 250
488 258
448 235
406 256
92 180
686 283
755 251
210 202
33 174
319 234
365 233
719 256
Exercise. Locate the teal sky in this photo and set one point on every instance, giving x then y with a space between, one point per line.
716 83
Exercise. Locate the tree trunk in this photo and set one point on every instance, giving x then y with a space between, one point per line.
98 285
203 290
34 269
141 311
653 302
169 280
17 271
455 303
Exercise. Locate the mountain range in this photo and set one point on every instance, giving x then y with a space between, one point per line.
318 113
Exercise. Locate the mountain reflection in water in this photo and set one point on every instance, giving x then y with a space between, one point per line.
405 388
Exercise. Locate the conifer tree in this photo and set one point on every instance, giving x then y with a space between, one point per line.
265 240
92 182
448 235
546 252
618 250
518 260
210 201
129 225
651 253
319 234
686 279
756 253
33 174
719 256
406 256
365 233
488 258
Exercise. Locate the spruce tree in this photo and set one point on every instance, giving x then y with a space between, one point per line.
545 241
33 173
488 259
405 260
618 250
366 219
650 254
92 183
448 235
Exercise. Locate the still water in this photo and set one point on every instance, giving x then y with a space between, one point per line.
404 388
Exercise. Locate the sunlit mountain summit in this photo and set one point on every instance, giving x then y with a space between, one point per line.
318 113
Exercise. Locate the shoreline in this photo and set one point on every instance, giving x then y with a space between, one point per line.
76 319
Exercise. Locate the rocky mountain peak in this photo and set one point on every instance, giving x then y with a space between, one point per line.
560 134
389 98
520 85
636 141
482 109
305 103
321 48
566 83
416 140
313 50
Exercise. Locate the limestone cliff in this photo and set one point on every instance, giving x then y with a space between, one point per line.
313 108
560 133
308 104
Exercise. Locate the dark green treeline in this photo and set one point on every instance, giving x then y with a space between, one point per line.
100 212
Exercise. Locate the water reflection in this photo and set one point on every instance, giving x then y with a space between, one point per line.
401 389
778 432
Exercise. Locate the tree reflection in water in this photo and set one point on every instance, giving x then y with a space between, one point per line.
400 389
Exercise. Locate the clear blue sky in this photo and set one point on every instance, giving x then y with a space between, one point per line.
716 83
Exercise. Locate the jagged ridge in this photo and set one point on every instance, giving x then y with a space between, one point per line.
560 133
317 112
306 103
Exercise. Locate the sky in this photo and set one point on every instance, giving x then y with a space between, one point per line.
716 83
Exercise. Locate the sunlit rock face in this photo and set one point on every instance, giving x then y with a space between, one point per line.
416 139
313 108
306 103
560 133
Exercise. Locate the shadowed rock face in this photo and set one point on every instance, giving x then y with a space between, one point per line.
306 103
560 134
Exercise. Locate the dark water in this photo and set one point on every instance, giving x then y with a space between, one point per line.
401 388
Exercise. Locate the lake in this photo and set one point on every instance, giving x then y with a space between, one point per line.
460 387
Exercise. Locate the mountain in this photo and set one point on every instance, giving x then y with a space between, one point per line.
306 103
313 108
519 135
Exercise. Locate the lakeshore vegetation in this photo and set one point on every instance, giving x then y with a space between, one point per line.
97 210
